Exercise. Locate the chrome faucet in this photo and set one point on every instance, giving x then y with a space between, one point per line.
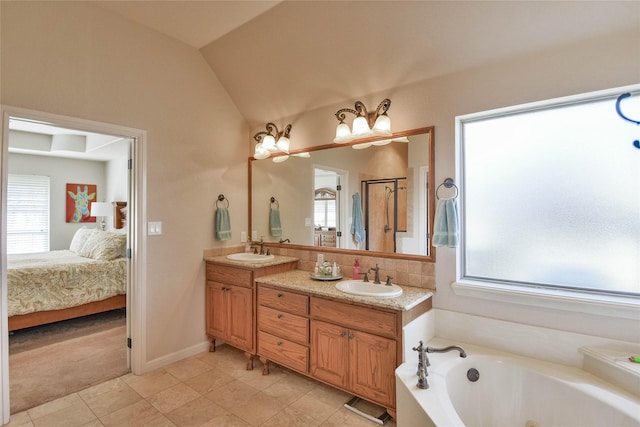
423 360
446 349
376 270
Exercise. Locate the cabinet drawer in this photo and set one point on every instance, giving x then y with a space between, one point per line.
283 324
283 300
229 275
282 351
353 316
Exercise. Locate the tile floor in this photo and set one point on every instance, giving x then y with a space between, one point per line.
209 389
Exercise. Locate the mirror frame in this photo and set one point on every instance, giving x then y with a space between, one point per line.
430 197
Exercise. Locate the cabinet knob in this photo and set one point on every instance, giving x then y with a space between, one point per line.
280 316
280 295
279 342
342 333
350 336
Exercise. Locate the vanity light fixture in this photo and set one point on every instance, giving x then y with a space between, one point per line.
366 124
271 141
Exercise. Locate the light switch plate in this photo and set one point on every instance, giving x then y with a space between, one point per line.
307 222
243 237
254 235
155 228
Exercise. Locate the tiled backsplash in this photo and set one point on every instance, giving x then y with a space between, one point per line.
403 272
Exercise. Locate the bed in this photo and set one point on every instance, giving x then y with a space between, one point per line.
90 277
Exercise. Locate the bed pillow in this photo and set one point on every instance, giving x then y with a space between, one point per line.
104 245
79 239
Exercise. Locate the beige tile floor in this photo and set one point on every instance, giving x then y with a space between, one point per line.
209 389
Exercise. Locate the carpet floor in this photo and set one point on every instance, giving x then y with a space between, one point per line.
52 361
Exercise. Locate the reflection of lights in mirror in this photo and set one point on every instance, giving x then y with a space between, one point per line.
292 182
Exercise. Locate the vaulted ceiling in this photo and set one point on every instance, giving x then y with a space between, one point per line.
280 58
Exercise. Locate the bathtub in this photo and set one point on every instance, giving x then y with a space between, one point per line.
510 391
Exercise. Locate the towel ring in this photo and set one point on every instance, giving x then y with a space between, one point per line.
274 200
221 198
448 183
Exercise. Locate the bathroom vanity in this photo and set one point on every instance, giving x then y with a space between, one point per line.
351 342
229 299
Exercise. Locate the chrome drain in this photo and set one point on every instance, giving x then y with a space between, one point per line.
473 375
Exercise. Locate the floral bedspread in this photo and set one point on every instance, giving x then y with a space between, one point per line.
61 279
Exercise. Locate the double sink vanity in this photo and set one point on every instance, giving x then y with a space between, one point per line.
346 333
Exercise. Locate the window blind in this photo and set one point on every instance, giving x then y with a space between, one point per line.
27 213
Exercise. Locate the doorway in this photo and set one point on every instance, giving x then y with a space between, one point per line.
130 144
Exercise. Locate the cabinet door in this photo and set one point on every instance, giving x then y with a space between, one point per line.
372 363
240 321
329 347
217 310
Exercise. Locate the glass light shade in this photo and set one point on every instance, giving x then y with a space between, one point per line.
343 133
260 153
383 142
304 155
361 146
382 125
269 143
360 127
283 144
280 159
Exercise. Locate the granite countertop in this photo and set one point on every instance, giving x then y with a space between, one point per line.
301 280
279 259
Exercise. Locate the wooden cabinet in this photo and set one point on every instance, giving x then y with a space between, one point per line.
229 304
350 346
355 348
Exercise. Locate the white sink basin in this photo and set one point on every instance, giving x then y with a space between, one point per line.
249 257
369 289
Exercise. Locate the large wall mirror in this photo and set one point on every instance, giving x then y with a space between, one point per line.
368 195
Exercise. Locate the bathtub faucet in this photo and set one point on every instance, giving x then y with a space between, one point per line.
446 349
423 362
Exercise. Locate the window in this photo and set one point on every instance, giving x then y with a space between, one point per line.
551 196
27 214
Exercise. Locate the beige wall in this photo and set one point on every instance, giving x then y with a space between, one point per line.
77 60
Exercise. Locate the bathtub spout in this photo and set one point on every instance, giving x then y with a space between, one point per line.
446 349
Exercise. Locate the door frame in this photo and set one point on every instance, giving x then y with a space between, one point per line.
136 219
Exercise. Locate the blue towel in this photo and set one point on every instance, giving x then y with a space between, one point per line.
223 224
445 226
357 226
274 222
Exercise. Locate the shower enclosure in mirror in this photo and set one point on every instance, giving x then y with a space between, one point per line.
377 199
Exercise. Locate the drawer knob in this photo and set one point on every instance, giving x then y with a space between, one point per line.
342 333
279 343
280 316
350 336
280 295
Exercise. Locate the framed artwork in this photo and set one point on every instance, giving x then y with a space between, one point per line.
79 198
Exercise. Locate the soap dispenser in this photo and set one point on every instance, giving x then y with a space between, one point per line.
356 269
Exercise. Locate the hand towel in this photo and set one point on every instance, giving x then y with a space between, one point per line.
445 226
223 224
357 226
274 222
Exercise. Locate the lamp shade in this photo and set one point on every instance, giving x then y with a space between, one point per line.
269 143
101 209
260 152
382 125
343 133
283 144
360 127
